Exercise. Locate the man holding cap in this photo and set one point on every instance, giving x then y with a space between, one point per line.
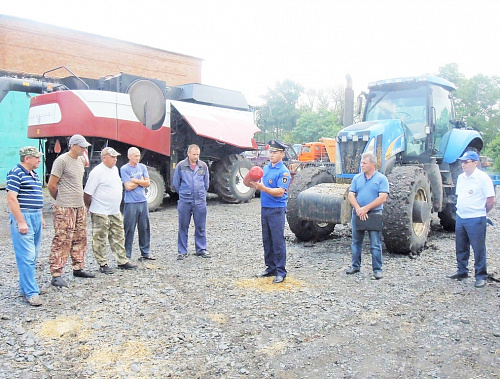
475 198
103 195
25 201
273 197
70 215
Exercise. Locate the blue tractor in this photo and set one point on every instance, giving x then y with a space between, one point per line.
410 124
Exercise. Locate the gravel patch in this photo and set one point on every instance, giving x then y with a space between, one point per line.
202 318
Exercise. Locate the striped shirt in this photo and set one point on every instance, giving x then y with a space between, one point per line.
28 187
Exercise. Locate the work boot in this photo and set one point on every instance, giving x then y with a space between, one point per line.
57 281
106 270
127 266
83 274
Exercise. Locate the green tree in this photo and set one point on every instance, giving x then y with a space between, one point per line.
280 113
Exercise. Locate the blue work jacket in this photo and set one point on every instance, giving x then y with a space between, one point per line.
191 185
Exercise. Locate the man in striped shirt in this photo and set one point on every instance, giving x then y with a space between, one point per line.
25 202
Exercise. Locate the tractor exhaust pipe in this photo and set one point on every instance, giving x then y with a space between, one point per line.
348 102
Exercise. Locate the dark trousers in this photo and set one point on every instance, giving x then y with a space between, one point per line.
136 215
273 238
471 232
199 213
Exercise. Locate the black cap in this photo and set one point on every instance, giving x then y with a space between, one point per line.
275 145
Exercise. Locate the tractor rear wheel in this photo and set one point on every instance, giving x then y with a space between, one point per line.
306 230
407 212
156 190
229 174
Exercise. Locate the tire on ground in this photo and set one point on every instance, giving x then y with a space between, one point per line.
228 182
156 190
402 234
307 230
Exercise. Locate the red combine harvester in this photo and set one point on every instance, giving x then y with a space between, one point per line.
125 110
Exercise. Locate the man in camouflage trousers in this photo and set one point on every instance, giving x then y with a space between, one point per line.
70 216
103 195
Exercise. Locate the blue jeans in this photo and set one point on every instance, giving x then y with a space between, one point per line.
273 239
136 215
199 213
375 247
26 249
471 232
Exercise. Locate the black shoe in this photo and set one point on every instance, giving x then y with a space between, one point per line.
148 258
264 274
106 270
203 254
278 279
352 270
181 257
459 276
83 274
57 281
127 266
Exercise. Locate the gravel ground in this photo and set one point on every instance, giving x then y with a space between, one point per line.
203 318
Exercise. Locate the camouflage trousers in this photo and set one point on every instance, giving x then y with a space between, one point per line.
70 238
108 227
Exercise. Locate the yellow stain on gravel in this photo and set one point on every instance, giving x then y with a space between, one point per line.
60 327
267 285
218 318
274 348
112 359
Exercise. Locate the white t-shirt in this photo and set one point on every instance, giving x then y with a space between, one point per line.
472 192
105 187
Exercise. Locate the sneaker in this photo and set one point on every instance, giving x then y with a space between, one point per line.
106 270
83 274
127 266
377 275
34 301
203 254
181 257
57 281
480 283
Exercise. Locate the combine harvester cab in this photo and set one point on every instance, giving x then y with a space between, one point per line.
410 125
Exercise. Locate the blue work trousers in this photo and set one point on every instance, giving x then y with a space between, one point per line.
136 215
471 232
273 238
26 248
375 247
199 212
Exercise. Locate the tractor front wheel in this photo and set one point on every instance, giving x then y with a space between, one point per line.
229 174
407 212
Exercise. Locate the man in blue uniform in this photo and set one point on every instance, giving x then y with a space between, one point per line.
273 196
367 194
191 179
475 198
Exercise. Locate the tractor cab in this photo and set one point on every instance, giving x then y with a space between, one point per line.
422 106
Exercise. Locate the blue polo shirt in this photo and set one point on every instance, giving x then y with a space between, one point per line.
276 176
138 194
28 188
367 190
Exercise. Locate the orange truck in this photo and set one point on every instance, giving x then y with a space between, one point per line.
324 151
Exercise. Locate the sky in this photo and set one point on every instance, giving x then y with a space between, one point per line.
249 46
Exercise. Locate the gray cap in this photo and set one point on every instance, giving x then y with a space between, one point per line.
109 151
29 151
79 140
